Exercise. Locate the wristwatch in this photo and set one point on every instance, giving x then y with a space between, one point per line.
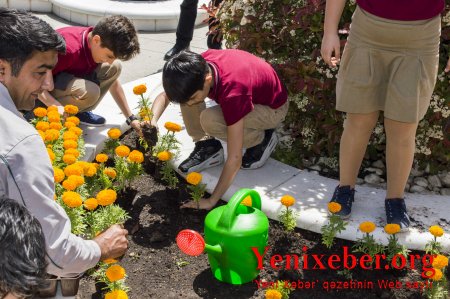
130 118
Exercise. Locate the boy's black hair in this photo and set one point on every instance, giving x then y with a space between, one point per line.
183 75
118 35
21 34
22 247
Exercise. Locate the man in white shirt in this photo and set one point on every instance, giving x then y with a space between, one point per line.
28 52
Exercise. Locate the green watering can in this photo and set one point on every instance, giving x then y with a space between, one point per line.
230 232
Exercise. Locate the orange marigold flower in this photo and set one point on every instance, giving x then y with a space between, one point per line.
42 125
440 261
110 172
110 261
116 294
101 158
164 156
42 134
52 108
70 136
367 227
334 207
436 230
136 157
69 124
106 197
91 170
194 178
51 135
71 109
91 204
53 116
70 144
273 294
139 89
51 154
247 201
76 130
72 151
73 169
72 199
78 179
58 174
173 127
436 276
122 151
56 126
114 133
69 159
69 185
287 201
73 119
392 228
115 273
40 112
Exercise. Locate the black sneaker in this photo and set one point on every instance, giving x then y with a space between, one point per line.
396 213
345 196
206 154
90 119
256 156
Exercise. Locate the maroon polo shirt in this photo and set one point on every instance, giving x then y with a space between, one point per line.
78 59
403 10
242 80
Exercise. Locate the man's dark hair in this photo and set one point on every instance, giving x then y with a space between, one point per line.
21 34
22 248
118 35
183 75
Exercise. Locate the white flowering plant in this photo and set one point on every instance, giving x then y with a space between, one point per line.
288 35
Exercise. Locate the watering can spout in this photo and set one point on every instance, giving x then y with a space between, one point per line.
213 248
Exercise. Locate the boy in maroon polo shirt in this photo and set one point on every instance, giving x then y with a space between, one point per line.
252 102
91 67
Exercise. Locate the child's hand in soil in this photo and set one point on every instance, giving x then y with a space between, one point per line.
136 125
202 204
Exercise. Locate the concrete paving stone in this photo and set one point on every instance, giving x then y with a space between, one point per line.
3 3
41 6
19 4
79 18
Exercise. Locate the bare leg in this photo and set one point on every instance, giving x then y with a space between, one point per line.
400 147
354 140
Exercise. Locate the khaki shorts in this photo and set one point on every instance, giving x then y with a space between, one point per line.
389 66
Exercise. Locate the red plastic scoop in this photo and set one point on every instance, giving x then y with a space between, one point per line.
190 242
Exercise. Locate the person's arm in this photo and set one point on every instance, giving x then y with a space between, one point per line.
46 98
118 95
31 182
235 137
330 40
159 105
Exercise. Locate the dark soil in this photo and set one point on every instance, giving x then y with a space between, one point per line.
156 268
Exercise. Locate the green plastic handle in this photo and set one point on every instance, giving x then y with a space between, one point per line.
228 216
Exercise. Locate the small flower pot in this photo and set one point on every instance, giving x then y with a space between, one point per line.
50 290
69 285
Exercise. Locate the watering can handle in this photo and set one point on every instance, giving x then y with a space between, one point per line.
228 216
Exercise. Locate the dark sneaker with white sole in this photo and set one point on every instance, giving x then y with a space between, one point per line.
396 213
256 156
345 196
90 119
206 154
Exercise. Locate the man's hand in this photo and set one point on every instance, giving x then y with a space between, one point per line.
330 44
136 125
203 204
113 242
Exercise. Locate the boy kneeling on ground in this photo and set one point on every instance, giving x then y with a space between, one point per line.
252 102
